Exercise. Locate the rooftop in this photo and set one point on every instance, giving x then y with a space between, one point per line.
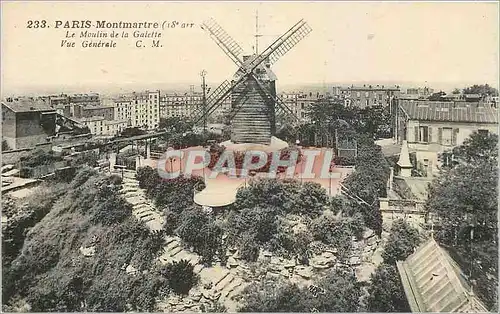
433 282
449 111
27 105
372 87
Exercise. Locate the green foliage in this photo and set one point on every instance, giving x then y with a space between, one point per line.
484 90
368 183
258 219
465 201
129 132
265 193
199 230
337 232
402 242
285 197
340 293
176 194
476 148
248 247
260 222
385 291
180 276
333 117
53 275
148 179
23 216
39 157
89 158
175 124
310 200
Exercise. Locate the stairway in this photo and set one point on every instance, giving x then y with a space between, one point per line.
142 209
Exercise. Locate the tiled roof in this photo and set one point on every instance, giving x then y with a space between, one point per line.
449 111
28 105
433 282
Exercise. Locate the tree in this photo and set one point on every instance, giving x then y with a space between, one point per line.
477 147
199 230
180 276
484 90
176 194
456 91
368 183
175 124
385 291
338 291
465 202
402 242
148 179
310 200
269 296
337 232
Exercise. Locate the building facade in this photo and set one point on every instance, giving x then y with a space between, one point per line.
23 122
419 92
369 95
301 102
101 126
188 105
141 110
432 127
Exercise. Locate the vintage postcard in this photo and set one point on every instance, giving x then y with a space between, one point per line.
249 156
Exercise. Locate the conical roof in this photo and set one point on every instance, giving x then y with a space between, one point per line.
404 156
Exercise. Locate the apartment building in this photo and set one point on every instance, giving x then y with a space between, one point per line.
420 92
369 95
138 109
188 105
100 126
301 102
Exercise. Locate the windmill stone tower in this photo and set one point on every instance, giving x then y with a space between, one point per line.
254 114
254 103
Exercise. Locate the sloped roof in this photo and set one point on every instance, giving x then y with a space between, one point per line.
449 111
433 282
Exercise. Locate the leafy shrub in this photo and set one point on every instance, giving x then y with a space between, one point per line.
180 276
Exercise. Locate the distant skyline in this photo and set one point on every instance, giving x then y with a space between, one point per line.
440 45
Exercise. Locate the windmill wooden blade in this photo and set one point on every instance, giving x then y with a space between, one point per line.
282 45
214 100
288 43
223 40
278 101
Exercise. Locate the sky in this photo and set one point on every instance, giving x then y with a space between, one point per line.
443 44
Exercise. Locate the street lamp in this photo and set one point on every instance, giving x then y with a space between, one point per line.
297 143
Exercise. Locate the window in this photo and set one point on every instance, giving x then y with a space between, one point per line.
422 134
358 94
483 132
446 136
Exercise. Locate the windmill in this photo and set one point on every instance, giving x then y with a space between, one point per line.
254 103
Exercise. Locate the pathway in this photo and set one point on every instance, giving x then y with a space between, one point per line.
142 209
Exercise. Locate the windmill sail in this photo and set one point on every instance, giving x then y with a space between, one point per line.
254 101
282 45
223 40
